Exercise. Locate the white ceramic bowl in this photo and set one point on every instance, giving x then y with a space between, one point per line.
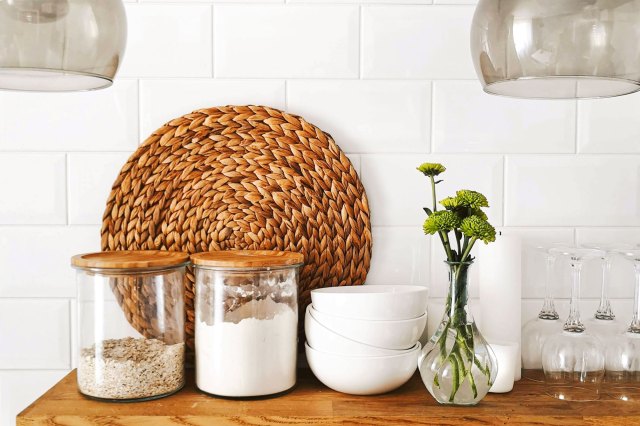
321 338
360 375
372 302
401 334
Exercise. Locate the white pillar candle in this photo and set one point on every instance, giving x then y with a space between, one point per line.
500 276
507 354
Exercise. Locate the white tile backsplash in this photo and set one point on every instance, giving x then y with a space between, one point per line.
572 191
293 41
426 42
33 188
84 121
168 40
47 273
597 118
91 176
371 116
162 100
35 334
391 80
465 119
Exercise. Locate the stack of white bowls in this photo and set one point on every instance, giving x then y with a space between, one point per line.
363 340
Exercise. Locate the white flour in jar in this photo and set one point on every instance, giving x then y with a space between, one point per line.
248 356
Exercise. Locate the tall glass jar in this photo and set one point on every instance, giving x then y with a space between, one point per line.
246 321
131 324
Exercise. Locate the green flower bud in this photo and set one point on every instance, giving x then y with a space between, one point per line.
431 169
441 221
471 199
476 227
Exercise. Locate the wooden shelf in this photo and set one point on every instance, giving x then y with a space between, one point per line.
311 403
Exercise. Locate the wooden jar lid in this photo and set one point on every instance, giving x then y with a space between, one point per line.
247 259
130 259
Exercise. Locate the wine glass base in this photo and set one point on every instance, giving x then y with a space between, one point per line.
586 392
624 393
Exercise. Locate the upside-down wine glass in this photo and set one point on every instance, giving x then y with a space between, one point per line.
547 323
573 359
604 323
623 352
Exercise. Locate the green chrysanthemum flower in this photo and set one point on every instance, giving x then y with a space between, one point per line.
431 169
476 227
459 206
451 203
441 221
471 199
479 213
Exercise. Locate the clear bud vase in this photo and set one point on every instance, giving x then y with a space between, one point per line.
457 365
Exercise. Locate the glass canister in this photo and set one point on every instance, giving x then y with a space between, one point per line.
131 324
246 321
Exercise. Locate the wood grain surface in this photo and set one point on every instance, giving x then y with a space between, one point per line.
310 403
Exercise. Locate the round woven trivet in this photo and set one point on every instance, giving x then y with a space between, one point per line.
241 177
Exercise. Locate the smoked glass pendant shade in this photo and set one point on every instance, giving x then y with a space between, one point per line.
60 45
563 49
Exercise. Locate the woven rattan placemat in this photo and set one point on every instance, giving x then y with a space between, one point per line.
241 177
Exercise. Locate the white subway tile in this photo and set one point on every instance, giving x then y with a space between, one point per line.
81 121
597 118
293 41
397 191
164 100
35 260
572 191
91 176
465 119
400 256
35 334
168 40
33 189
429 42
20 388
367 116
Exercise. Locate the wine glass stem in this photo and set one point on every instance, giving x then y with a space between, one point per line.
573 323
604 311
548 311
635 322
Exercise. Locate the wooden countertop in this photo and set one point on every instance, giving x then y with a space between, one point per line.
311 403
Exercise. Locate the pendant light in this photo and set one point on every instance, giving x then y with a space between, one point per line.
60 45
563 49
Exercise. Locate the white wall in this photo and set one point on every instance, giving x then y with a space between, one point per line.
391 81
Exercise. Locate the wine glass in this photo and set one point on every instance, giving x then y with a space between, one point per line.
604 323
573 359
536 331
622 356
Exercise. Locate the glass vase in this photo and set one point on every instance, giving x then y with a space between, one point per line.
457 365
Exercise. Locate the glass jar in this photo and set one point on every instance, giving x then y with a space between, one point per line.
131 324
246 321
